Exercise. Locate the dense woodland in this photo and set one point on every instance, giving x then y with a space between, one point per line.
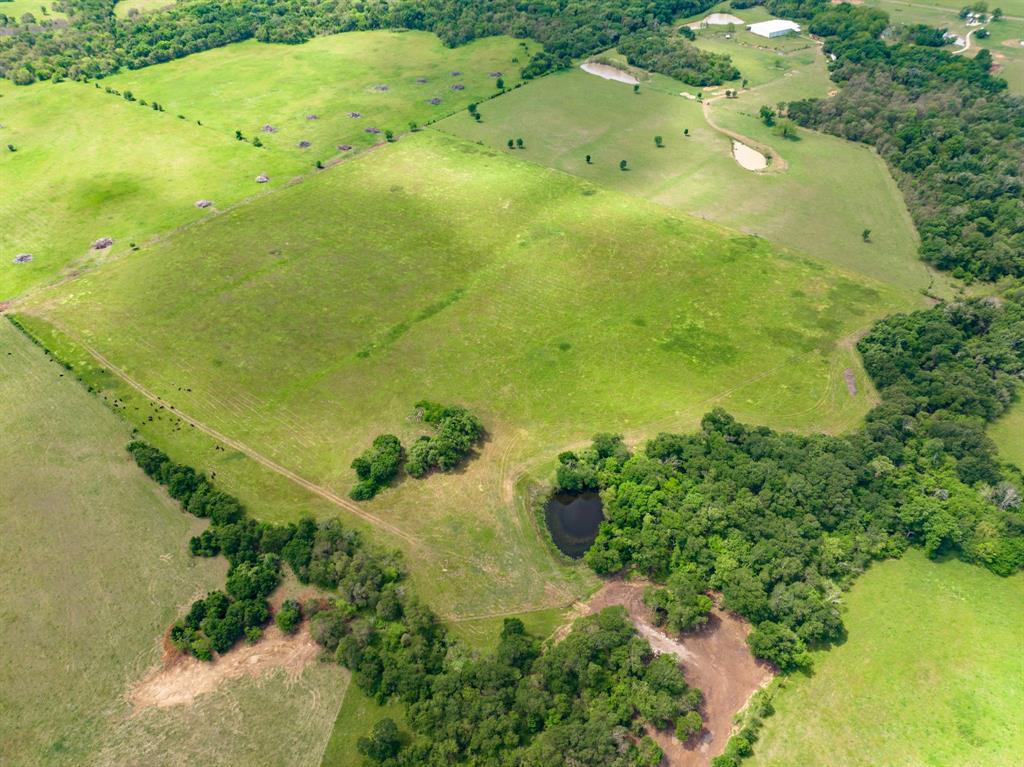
951 134
780 524
586 698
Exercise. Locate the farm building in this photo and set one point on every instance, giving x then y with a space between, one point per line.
774 28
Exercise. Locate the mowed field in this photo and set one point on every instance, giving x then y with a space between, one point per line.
95 564
931 674
90 164
303 324
389 78
831 191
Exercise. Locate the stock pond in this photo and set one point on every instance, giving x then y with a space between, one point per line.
573 520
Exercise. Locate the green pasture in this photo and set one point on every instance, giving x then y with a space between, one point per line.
356 717
831 192
931 674
95 566
759 60
249 85
1008 433
91 165
310 320
17 8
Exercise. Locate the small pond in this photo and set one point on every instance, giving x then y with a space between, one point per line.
573 519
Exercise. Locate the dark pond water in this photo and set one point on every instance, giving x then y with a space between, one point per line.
573 520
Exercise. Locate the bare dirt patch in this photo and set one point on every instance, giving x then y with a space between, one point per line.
715 659
608 72
180 679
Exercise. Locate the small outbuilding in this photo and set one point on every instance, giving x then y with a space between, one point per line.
774 28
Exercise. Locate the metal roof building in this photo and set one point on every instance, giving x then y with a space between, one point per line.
774 28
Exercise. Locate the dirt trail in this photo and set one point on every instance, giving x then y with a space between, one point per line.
715 660
241 447
967 43
777 165
180 679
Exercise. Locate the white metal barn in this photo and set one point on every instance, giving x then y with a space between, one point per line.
774 28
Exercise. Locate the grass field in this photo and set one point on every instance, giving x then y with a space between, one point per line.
759 60
94 562
91 165
931 674
356 717
1008 433
550 307
82 613
137 173
832 190
17 8
249 85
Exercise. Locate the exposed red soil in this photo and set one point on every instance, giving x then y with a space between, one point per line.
715 659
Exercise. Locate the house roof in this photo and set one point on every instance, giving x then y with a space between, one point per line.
774 25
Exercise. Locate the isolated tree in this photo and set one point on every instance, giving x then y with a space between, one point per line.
389 135
588 159
12 148
997 14
471 108
289 616
767 115
688 725
622 164
786 129
413 127
866 235
476 116
500 84
636 88
511 143
384 742
658 142
319 165
239 136
519 143
686 131
744 85
256 142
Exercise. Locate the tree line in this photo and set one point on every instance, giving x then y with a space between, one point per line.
97 43
781 524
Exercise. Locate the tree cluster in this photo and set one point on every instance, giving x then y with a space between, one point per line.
780 524
377 466
675 57
456 431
